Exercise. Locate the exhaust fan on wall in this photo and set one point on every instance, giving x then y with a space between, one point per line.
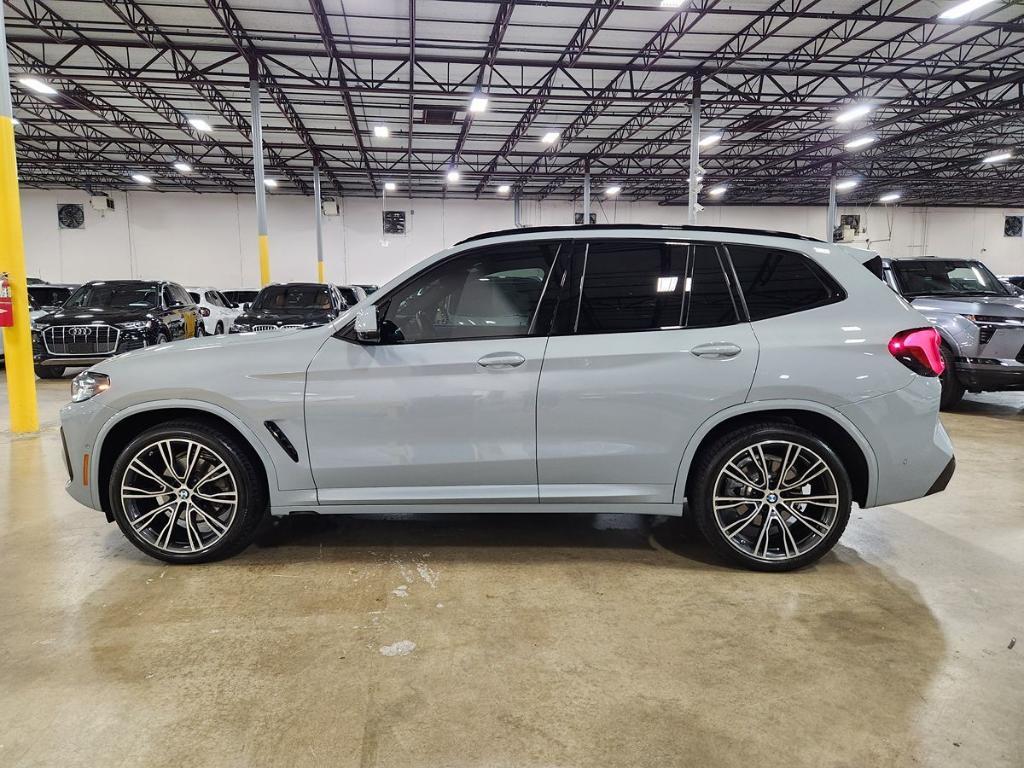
71 216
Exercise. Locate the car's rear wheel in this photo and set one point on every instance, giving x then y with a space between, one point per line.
219 329
187 492
952 389
50 371
771 497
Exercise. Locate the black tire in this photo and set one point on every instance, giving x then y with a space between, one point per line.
218 329
952 389
50 371
163 338
246 476
709 466
200 329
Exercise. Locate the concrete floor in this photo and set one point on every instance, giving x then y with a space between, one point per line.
582 640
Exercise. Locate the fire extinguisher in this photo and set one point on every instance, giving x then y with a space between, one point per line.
6 303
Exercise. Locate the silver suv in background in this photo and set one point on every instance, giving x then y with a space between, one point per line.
764 382
980 320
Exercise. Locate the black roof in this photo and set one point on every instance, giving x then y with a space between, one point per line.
584 228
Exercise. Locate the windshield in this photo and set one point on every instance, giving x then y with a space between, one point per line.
116 295
287 298
941 277
46 296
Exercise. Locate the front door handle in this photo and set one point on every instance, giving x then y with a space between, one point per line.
501 360
716 350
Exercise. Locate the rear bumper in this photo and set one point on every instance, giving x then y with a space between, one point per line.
911 447
943 480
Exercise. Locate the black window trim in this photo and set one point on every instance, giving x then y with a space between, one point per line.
833 286
347 332
724 263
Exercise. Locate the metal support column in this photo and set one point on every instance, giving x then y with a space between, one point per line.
21 377
516 220
830 225
586 193
691 197
263 241
319 203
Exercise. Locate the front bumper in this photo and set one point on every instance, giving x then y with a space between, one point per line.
129 342
80 423
990 374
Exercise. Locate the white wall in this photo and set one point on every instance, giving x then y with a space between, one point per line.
211 239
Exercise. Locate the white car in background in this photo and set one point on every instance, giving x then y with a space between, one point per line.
216 309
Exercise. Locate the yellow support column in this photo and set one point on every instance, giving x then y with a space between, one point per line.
21 378
262 234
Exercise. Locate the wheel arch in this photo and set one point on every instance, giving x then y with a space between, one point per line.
127 424
835 429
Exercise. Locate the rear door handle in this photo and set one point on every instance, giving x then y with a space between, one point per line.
716 350
501 360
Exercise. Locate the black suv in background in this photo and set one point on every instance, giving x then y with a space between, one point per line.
104 318
294 305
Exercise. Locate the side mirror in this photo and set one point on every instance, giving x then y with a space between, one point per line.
367 329
245 307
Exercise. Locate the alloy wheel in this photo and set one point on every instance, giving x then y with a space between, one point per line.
775 500
179 495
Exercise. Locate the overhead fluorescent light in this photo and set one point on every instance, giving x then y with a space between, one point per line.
15 121
667 284
453 175
718 191
504 189
998 158
613 190
707 141
199 124
550 137
271 183
853 113
183 167
37 85
381 131
962 9
847 184
478 104
672 3
889 198
862 141
390 186
141 178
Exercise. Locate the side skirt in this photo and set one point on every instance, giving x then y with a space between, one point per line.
671 510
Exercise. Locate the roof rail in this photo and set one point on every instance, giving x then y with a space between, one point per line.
584 228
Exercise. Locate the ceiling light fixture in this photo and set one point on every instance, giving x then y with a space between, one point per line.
962 9
37 85
381 131
889 198
672 3
15 121
847 184
863 141
853 113
183 167
998 158
390 186
271 183
453 175
141 178
717 191
550 137
478 104
199 124
707 141
504 189
613 190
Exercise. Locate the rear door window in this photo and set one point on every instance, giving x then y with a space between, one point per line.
777 282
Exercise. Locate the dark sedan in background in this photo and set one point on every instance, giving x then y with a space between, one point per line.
105 318
295 305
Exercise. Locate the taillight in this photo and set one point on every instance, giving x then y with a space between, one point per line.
918 349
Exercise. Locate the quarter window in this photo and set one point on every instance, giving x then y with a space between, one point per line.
710 302
480 294
776 282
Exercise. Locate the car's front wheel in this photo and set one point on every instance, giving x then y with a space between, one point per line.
771 497
187 492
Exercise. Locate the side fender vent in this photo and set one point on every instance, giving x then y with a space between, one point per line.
282 440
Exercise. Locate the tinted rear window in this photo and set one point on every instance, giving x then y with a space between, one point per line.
776 282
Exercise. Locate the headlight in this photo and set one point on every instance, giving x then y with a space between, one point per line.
135 325
87 385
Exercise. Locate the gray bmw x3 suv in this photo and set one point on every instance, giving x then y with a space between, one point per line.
764 382
981 322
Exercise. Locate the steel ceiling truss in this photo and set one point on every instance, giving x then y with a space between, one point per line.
771 81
